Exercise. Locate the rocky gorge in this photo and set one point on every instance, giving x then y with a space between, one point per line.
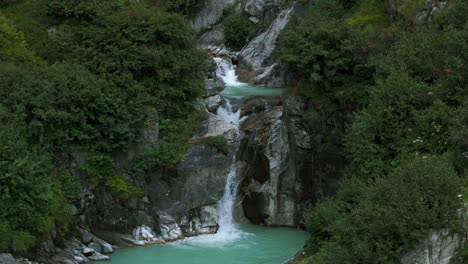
286 154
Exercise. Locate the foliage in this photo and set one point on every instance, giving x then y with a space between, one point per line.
219 143
117 60
407 144
136 43
378 222
454 15
101 170
322 51
13 46
83 9
237 28
173 143
182 6
65 107
29 200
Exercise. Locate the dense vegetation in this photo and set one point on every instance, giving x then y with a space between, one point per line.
81 78
405 81
237 28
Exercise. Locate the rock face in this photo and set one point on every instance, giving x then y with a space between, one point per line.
286 161
209 14
256 56
268 187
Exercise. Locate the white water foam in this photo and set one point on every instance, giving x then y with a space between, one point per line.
227 72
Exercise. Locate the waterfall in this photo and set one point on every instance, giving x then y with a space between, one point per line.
226 204
226 70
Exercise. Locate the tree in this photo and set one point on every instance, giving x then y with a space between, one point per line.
155 49
30 200
66 107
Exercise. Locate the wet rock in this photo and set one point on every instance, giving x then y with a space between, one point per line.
213 102
169 229
145 234
202 220
213 86
98 257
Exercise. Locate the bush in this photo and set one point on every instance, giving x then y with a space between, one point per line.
135 43
184 7
320 49
237 28
13 47
390 216
30 203
84 9
65 107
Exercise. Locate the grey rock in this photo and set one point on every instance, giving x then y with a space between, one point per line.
98 257
85 235
202 220
214 36
87 251
209 14
169 229
213 86
104 247
144 233
7 259
95 246
256 56
268 185
213 102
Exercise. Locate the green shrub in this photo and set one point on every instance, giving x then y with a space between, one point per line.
30 203
171 82
174 142
13 47
237 28
184 7
84 9
388 217
65 107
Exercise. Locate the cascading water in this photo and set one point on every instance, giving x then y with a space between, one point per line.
226 70
232 244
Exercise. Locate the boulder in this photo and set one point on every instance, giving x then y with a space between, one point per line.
169 229
214 36
98 257
85 235
202 220
7 259
213 102
95 246
145 234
